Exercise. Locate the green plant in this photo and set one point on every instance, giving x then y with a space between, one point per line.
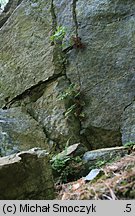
100 163
71 91
66 167
59 163
129 144
60 167
58 35
72 94
70 110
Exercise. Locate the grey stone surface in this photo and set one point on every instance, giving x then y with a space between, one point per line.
97 158
105 68
25 49
128 124
34 71
26 176
109 153
7 10
18 131
30 68
50 111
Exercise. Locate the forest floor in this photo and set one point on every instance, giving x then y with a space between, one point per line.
116 183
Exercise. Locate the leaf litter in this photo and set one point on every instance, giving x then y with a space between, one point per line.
117 183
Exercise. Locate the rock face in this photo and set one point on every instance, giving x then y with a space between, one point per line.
106 68
128 124
18 131
35 72
26 175
8 10
96 158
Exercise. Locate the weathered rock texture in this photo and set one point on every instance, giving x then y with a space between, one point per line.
26 175
8 10
106 68
34 72
18 131
96 158
128 124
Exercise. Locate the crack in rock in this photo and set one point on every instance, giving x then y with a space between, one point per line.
38 89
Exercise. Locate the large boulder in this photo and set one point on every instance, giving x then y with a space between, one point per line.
50 111
99 157
105 70
35 72
19 131
25 51
26 175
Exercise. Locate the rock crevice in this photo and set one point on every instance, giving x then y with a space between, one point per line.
35 72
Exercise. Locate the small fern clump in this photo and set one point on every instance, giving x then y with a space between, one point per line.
58 35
